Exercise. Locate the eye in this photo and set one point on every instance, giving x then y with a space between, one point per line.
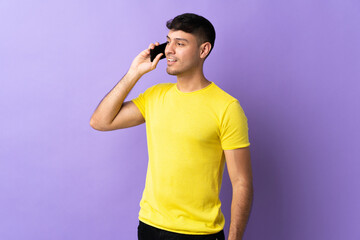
180 44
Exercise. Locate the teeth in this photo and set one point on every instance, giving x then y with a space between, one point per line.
171 60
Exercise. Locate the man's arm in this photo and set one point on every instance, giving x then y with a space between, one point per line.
112 113
239 167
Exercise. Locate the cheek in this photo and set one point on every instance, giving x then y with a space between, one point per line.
190 54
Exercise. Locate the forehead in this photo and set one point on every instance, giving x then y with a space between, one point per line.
174 34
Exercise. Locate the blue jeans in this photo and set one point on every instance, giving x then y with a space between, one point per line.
147 232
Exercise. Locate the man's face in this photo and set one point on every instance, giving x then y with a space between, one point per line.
182 53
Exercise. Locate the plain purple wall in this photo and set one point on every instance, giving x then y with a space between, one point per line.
293 65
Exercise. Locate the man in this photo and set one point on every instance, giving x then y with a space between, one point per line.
192 128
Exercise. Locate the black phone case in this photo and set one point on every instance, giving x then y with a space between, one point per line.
157 49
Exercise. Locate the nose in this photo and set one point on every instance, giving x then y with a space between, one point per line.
169 49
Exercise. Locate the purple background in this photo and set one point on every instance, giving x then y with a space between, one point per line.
293 65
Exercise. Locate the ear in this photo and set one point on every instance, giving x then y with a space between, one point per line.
205 49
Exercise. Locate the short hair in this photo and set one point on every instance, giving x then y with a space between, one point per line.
195 24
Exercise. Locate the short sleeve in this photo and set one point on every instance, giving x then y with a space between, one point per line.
234 128
140 103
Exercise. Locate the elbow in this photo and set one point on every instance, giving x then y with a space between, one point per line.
96 125
93 124
242 185
245 190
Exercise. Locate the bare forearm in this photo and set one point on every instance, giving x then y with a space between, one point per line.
240 210
110 105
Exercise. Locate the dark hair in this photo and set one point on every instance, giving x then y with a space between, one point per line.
195 24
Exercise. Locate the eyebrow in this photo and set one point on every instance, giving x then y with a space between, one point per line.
179 39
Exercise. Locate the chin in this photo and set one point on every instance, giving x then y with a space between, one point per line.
172 72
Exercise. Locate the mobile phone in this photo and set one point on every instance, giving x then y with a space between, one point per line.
158 49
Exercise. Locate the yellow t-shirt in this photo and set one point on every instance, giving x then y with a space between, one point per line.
186 136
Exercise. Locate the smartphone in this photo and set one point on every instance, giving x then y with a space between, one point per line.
158 49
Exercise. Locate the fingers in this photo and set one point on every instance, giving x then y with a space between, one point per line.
156 60
152 45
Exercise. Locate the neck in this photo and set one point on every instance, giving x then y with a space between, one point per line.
192 82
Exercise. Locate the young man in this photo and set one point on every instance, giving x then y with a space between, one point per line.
192 128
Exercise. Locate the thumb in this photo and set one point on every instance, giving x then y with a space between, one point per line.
156 61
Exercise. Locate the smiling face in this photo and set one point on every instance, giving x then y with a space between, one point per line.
183 53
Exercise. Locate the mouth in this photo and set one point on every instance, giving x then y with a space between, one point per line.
171 61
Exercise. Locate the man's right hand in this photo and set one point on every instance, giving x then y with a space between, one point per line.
142 64
112 112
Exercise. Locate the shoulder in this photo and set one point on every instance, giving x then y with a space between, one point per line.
159 88
222 97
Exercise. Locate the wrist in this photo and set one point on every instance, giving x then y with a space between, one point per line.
133 74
